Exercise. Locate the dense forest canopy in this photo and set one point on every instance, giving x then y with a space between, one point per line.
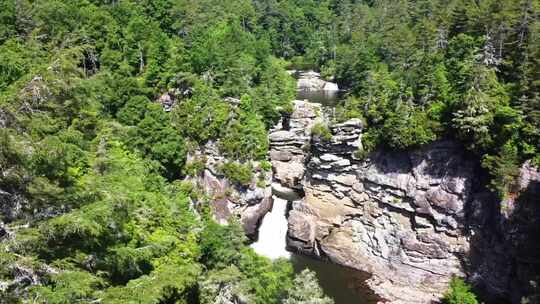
96 163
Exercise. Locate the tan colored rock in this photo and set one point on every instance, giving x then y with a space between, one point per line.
396 216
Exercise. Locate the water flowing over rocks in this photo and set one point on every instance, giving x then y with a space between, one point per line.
412 219
311 81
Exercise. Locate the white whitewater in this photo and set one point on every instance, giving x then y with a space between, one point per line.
272 232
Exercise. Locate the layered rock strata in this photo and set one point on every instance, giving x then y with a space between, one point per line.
290 143
411 219
398 216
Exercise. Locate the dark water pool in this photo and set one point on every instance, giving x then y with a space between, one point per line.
342 284
326 98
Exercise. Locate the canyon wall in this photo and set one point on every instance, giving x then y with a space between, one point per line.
410 219
248 203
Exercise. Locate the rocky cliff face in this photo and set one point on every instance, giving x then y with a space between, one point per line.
504 260
248 203
410 219
522 232
396 216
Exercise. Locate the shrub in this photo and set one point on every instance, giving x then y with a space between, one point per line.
459 293
238 173
194 167
321 131
261 181
133 111
369 143
265 165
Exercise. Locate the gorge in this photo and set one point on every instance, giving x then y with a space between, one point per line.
269 151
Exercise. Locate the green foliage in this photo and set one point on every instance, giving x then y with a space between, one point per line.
133 110
306 290
473 117
203 116
267 281
172 282
15 61
504 168
194 167
95 163
69 287
275 91
322 131
229 280
418 72
369 143
459 293
221 245
265 165
239 270
237 172
246 137
226 55
155 137
407 128
12 159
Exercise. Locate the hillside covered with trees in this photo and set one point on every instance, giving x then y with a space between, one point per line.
93 162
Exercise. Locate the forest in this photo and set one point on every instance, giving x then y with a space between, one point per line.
102 212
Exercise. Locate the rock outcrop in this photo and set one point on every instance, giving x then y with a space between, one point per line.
412 220
312 81
397 216
249 203
504 260
289 143
522 233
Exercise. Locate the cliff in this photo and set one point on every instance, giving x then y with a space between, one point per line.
411 219
248 203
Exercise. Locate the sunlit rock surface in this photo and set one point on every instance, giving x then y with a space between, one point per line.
412 219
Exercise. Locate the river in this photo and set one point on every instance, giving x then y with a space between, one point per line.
342 284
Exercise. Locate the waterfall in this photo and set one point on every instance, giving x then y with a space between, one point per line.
272 232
